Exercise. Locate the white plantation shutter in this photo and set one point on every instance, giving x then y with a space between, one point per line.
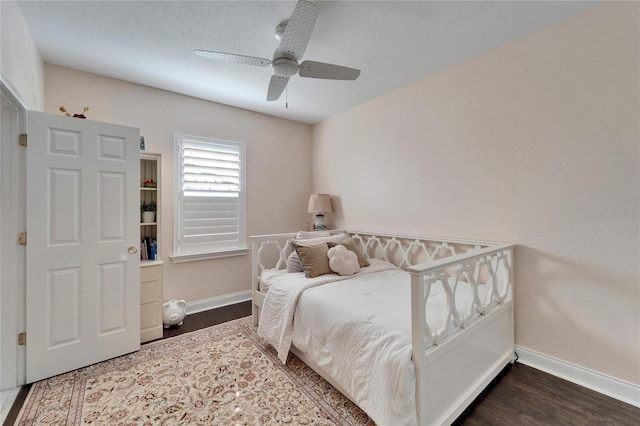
210 196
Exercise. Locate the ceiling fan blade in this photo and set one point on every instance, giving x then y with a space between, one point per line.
314 69
230 57
276 87
298 31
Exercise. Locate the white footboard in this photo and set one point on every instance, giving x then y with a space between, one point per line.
455 359
453 367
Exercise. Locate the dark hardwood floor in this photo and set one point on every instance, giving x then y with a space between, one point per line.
520 395
205 319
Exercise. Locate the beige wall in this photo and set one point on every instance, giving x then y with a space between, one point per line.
20 61
278 164
530 143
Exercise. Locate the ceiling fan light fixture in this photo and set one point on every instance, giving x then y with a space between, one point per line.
285 67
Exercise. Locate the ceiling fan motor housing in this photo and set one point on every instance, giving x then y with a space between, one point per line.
284 67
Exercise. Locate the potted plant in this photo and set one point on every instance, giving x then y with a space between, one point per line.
148 211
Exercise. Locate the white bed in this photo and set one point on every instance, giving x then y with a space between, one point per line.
412 339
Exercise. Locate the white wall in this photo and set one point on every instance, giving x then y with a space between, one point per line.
278 164
531 143
12 259
22 77
20 62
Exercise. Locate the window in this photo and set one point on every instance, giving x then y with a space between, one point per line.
210 198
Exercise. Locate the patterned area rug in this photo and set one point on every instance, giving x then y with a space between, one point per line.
221 375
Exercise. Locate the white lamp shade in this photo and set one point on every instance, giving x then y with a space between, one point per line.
320 203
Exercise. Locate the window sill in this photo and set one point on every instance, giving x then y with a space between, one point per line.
179 258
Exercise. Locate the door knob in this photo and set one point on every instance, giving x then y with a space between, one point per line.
133 249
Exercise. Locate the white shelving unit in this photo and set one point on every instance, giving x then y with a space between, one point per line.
150 174
151 269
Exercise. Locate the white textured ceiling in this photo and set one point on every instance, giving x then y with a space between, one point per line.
392 42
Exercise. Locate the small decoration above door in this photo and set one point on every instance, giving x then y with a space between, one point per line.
68 114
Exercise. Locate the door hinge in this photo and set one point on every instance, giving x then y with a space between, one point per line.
22 339
22 238
22 139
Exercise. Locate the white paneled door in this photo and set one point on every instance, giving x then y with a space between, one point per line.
83 297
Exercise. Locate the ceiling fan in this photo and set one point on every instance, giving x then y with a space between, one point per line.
294 35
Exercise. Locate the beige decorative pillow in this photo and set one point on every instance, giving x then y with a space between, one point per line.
309 237
314 259
351 246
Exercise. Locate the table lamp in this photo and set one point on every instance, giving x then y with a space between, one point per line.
320 204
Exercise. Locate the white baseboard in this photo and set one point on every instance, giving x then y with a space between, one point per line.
217 302
607 385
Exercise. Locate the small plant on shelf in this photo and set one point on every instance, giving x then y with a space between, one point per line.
148 207
149 184
148 211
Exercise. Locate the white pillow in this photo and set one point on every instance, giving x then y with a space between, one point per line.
330 239
305 235
293 263
343 261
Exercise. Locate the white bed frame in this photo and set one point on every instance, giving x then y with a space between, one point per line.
451 368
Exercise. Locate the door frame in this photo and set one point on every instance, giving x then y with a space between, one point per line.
13 258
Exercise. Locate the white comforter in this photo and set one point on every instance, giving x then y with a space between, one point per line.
363 342
357 331
276 316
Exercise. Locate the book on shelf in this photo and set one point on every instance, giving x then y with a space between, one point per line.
148 249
